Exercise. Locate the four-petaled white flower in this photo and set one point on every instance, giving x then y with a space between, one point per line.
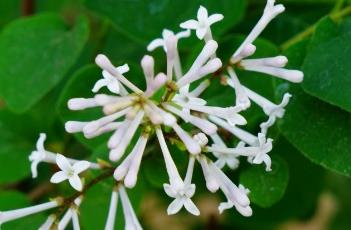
264 147
110 81
182 195
38 155
202 24
69 172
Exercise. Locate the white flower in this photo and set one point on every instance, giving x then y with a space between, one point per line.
245 211
202 24
211 182
235 196
182 193
42 155
130 219
110 223
75 220
6 216
264 147
69 172
110 81
48 223
161 42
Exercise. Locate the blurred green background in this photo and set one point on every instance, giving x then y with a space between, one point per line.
47 49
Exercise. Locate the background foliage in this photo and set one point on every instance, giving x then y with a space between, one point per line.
47 48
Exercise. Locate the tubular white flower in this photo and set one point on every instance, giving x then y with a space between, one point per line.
278 61
242 99
239 133
81 103
270 12
131 221
202 24
172 171
192 146
132 174
222 158
110 223
105 64
75 220
117 153
294 76
261 156
69 172
42 155
118 134
110 81
183 193
202 65
229 113
230 190
211 182
243 210
203 124
247 51
94 126
6 216
48 223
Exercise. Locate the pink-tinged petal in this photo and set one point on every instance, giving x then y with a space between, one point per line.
175 206
166 33
99 84
183 34
58 177
158 42
191 207
75 182
200 32
123 69
63 163
81 166
190 24
215 18
114 87
202 14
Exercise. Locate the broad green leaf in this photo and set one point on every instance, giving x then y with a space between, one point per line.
266 188
327 75
145 20
319 130
36 53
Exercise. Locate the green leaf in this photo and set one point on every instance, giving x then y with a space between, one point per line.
266 188
327 75
36 53
319 130
9 10
145 20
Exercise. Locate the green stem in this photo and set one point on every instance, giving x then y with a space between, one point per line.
308 31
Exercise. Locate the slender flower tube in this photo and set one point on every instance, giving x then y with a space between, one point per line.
67 217
110 223
192 146
48 223
6 216
131 221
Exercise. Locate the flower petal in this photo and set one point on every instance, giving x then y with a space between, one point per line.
202 14
215 18
166 33
123 68
114 86
58 177
34 169
81 166
175 206
190 24
99 84
169 190
63 163
191 207
40 142
75 182
183 34
158 42
200 32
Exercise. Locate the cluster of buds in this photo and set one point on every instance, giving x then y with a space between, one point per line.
133 113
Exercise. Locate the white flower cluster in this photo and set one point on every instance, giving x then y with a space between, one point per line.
134 113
